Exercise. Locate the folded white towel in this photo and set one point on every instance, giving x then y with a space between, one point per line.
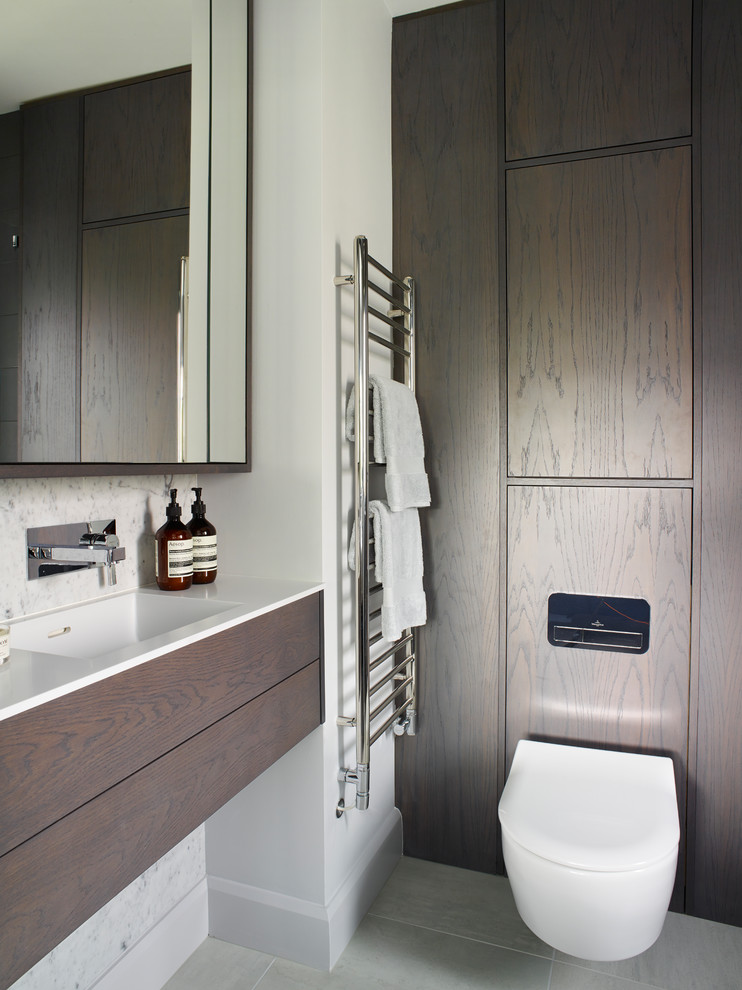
398 565
398 442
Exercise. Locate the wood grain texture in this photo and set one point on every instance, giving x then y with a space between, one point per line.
624 542
600 372
50 316
55 881
56 757
581 74
717 848
445 234
137 148
130 296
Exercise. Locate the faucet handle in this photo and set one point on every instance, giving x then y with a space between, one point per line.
99 539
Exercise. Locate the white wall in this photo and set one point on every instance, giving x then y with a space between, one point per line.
322 174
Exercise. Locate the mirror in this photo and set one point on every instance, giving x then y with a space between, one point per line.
92 372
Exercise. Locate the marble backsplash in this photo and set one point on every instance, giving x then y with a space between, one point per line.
138 505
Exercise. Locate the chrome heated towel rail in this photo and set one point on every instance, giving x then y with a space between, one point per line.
389 323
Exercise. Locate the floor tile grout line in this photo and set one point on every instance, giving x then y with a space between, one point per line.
612 976
551 969
264 974
468 938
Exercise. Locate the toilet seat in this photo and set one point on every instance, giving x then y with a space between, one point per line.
589 809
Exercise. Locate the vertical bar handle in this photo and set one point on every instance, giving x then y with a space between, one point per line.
180 356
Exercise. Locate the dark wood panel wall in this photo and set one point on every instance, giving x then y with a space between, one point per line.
445 208
10 281
574 241
716 888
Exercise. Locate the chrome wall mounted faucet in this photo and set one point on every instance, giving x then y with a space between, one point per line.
56 549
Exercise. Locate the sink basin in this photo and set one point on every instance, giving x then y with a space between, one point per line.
106 625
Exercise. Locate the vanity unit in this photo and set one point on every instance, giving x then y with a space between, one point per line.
102 776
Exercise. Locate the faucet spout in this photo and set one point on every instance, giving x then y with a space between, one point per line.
55 549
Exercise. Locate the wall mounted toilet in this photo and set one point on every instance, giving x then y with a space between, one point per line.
590 839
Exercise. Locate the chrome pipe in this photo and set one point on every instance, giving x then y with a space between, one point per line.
390 698
392 650
389 320
389 676
386 295
385 272
389 721
403 351
361 338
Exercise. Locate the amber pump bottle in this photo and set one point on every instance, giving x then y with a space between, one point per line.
173 550
204 543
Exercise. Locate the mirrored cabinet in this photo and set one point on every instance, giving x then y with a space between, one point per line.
122 205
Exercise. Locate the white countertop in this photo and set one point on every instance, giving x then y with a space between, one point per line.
29 679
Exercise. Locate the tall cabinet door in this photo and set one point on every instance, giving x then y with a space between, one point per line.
129 340
600 362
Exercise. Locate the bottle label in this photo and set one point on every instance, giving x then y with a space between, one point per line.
179 558
204 553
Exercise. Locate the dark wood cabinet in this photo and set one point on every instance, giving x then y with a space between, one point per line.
137 148
581 74
129 353
106 186
100 783
599 293
50 327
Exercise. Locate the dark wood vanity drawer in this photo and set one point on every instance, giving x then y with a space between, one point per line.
57 756
60 877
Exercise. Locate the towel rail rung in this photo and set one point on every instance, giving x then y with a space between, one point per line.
392 718
390 698
391 651
388 343
389 320
386 273
389 676
389 297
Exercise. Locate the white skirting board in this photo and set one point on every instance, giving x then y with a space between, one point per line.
151 961
308 933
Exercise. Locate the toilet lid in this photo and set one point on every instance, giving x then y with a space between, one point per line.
590 809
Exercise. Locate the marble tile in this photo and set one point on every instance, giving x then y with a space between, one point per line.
220 966
98 943
384 955
460 902
690 954
138 505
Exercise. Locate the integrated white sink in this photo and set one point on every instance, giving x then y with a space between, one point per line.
108 625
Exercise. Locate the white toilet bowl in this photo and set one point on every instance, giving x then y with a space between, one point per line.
590 839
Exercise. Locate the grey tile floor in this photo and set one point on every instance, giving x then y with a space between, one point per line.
434 927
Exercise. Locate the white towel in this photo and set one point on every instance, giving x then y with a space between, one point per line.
398 442
398 565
